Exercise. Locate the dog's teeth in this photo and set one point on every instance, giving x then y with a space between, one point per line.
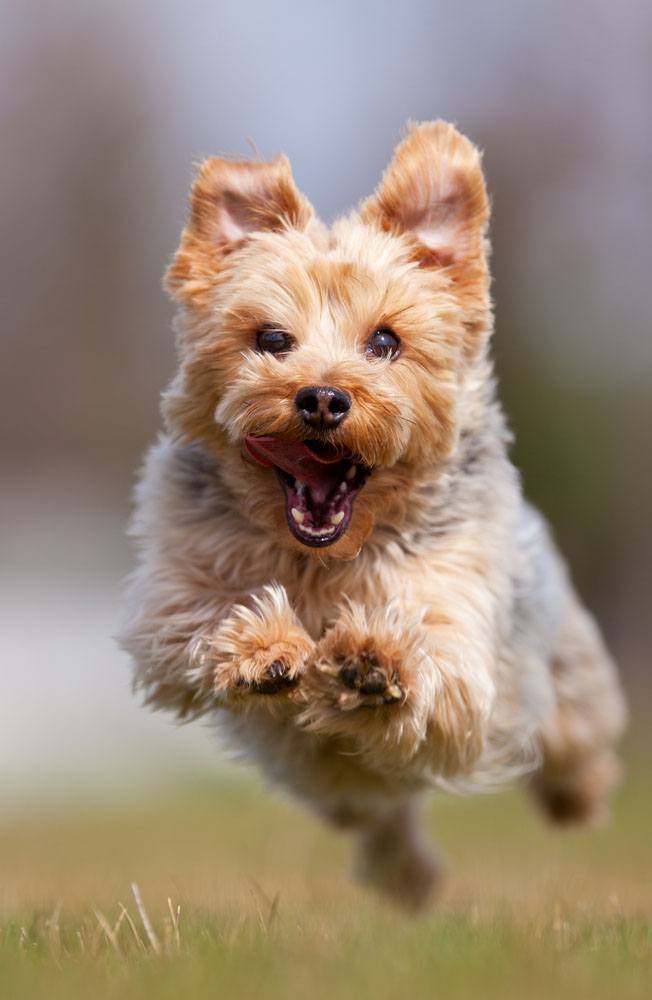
342 488
337 518
299 487
307 530
351 471
297 515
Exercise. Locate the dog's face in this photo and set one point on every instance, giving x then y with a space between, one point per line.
324 366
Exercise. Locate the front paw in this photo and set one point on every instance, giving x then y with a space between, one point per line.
362 678
260 650
370 682
268 672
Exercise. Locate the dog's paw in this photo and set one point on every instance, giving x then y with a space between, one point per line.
271 671
364 661
370 682
362 679
260 650
279 675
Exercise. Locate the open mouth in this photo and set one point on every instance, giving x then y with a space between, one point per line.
320 483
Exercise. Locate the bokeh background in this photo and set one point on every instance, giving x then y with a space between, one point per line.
104 107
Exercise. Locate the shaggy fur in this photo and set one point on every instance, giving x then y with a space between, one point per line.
438 640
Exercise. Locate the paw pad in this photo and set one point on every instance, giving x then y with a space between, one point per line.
367 677
276 678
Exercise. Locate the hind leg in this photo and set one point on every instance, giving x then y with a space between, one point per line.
395 858
393 854
580 767
381 815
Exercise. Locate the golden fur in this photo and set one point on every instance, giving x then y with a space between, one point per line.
438 640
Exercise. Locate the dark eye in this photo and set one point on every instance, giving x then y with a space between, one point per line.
383 343
274 341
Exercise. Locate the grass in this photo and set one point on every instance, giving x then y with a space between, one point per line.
241 894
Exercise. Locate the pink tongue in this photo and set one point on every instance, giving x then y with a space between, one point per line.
298 460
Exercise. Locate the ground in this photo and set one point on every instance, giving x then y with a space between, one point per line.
249 896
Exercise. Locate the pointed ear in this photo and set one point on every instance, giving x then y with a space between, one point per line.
231 200
434 189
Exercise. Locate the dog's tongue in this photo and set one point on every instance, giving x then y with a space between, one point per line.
298 460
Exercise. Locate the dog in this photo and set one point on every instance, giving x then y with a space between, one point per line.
336 559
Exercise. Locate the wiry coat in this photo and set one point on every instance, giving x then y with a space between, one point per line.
445 586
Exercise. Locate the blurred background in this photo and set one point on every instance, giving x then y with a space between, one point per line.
104 107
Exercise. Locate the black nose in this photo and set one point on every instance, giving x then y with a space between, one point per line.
322 406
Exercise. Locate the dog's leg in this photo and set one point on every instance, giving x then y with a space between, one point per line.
393 854
580 767
260 649
194 650
201 635
394 857
401 686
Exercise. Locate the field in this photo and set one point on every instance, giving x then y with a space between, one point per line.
241 894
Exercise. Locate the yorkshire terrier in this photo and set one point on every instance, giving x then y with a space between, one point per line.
337 561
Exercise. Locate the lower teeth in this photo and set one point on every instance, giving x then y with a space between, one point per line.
317 534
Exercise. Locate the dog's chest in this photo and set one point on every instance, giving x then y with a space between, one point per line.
317 593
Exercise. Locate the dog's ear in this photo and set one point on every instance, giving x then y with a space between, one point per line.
434 190
230 200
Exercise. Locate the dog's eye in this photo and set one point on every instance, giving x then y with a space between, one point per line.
383 343
274 341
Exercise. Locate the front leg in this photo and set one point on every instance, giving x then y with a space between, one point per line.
193 649
400 686
257 650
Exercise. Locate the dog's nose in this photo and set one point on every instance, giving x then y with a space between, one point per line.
322 406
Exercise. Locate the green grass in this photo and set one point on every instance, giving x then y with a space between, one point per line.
248 896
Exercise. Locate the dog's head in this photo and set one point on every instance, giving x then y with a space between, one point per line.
324 367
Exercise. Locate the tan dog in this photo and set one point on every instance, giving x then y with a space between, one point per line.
336 558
